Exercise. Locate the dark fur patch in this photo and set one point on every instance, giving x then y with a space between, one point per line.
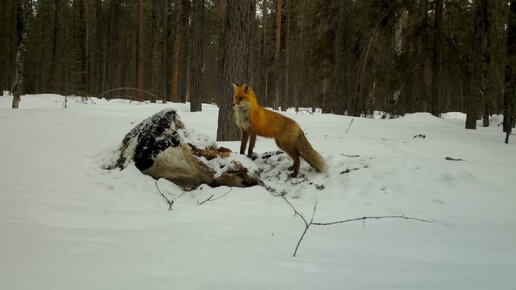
153 136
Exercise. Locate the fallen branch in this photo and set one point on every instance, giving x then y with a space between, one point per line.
170 202
352 119
214 199
373 217
453 159
310 223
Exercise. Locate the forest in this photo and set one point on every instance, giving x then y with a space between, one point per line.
346 57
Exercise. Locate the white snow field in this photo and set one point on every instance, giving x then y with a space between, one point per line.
67 223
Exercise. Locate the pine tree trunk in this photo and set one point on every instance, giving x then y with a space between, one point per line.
175 74
139 51
179 77
422 95
490 96
277 74
98 47
510 74
340 60
286 95
262 92
436 59
23 8
478 63
183 51
235 66
111 63
155 51
221 9
55 38
81 39
196 51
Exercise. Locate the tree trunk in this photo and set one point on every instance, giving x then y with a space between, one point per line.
490 97
262 91
340 60
98 47
23 8
478 63
196 52
81 39
510 74
55 38
422 94
111 67
139 51
235 66
183 51
155 51
286 95
277 74
221 9
179 78
436 59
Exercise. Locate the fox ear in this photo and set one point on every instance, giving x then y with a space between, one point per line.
235 87
246 88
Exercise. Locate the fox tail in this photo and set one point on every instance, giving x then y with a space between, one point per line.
308 153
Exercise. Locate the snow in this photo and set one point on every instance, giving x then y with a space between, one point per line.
68 223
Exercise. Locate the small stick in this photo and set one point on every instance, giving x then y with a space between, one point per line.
213 199
352 119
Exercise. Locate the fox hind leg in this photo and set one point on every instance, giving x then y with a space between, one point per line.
291 150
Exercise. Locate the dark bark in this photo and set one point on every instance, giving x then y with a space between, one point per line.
286 91
262 88
195 91
478 63
23 8
510 74
340 59
277 49
179 78
422 95
155 51
236 67
55 39
81 45
183 51
99 52
436 59
111 69
139 52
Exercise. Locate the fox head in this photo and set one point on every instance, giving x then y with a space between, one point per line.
244 95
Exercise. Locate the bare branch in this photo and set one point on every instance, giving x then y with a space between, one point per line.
352 119
373 217
213 199
308 224
170 202
296 212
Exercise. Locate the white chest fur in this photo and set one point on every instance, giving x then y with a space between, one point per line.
241 114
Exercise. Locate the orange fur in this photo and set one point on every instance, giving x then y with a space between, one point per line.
254 120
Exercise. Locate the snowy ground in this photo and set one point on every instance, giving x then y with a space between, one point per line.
67 223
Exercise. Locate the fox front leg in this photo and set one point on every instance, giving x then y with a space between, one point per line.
244 137
251 144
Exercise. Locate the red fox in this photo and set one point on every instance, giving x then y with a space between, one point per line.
254 119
